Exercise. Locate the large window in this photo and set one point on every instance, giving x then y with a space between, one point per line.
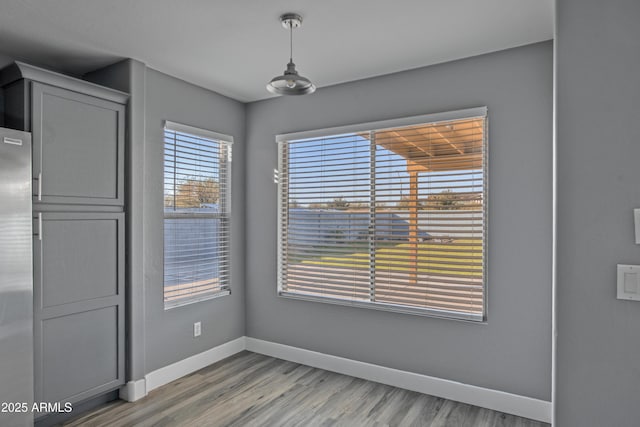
389 215
197 172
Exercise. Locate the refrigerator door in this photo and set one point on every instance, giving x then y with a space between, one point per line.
16 279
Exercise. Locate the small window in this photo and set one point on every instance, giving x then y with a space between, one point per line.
390 215
197 173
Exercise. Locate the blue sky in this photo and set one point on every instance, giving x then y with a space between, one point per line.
198 158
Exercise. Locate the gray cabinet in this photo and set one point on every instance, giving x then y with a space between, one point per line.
79 301
78 147
78 131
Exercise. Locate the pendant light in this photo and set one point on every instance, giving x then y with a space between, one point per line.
291 83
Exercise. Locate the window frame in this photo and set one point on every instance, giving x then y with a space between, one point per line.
223 216
469 113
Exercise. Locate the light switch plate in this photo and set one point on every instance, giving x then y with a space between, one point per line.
629 282
636 221
197 329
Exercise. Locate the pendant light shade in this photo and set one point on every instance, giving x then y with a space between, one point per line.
290 82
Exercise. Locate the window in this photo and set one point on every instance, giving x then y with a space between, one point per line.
197 173
389 215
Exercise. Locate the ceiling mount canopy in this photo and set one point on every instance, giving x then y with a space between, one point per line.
290 82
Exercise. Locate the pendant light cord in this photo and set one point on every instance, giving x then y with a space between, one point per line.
290 41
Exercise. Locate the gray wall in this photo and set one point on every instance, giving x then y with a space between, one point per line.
157 337
169 334
512 352
598 112
4 60
130 76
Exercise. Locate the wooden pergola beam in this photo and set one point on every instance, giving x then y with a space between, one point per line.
444 138
408 142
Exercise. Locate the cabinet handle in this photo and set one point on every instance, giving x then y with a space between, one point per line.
40 188
40 226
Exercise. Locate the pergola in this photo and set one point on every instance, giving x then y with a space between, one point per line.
436 147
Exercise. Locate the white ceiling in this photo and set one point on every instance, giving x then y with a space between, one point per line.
236 47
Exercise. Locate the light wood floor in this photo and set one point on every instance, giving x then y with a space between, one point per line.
249 389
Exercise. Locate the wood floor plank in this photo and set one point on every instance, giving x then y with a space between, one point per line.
396 412
423 411
313 395
252 390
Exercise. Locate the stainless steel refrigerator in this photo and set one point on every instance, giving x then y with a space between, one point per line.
16 279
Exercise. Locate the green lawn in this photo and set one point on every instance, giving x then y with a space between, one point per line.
459 258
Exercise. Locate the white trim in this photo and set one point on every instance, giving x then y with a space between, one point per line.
192 130
282 171
181 302
522 406
554 229
467 113
191 364
491 399
133 390
477 319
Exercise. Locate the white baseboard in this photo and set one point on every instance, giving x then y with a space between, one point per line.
133 390
491 399
191 364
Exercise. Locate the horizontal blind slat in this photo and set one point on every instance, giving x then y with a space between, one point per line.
415 192
196 224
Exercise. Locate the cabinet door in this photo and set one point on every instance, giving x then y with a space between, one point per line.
78 147
78 305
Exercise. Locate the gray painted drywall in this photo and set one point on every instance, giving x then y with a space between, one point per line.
159 337
512 352
116 76
129 76
598 143
169 333
4 61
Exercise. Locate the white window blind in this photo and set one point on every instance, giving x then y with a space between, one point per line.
390 217
197 172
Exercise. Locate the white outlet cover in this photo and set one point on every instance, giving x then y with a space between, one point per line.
197 329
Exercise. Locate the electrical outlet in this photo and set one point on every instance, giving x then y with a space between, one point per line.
197 329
